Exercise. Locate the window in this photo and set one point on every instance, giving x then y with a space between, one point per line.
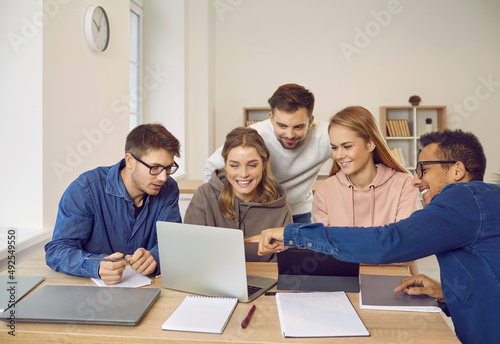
135 65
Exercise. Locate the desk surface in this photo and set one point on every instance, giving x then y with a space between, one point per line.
384 326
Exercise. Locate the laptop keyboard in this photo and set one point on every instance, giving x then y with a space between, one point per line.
252 290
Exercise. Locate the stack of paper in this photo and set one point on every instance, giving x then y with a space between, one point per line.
328 314
377 292
202 314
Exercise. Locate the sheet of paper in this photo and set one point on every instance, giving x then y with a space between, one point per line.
324 314
130 279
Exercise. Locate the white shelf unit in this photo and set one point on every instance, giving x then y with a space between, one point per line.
255 114
416 116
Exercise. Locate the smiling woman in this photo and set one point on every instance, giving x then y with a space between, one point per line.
367 186
243 194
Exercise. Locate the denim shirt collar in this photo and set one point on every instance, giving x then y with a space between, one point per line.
114 182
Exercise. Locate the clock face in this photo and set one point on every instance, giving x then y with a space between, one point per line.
97 28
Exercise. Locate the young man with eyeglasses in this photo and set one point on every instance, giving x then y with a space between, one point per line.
111 212
460 224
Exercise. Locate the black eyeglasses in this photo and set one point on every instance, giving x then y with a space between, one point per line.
419 171
156 170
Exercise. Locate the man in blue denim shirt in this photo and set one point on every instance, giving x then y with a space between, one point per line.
112 211
460 224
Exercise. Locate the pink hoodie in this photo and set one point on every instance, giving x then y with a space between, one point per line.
389 198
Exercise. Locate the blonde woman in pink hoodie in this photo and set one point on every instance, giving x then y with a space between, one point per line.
367 185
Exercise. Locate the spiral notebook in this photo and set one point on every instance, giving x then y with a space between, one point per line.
201 314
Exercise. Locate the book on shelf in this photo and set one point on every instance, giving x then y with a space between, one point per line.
250 122
389 129
399 155
398 128
406 128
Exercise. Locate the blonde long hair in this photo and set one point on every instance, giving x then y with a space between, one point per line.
362 122
268 187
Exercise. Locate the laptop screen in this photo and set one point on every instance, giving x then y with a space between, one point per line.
301 269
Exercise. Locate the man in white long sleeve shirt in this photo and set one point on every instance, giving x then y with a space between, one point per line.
298 143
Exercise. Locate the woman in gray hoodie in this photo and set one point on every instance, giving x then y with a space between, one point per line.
243 194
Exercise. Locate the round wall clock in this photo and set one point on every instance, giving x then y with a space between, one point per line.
97 28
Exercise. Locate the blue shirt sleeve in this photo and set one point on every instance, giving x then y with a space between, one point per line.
96 218
447 223
74 225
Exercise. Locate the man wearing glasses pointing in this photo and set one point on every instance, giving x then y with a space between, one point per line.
460 224
111 212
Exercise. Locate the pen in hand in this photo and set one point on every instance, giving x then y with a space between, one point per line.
108 259
245 321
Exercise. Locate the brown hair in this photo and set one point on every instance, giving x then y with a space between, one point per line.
268 187
151 136
290 97
362 122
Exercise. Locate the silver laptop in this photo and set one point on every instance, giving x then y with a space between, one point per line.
207 261
84 305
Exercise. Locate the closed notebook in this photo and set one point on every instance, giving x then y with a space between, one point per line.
201 314
377 292
324 314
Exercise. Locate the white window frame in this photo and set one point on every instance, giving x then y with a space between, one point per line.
136 118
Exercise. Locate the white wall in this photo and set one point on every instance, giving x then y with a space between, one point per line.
85 114
439 50
21 115
164 99
63 117
200 89
179 41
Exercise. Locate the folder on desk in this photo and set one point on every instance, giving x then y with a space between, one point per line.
85 305
377 292
14 288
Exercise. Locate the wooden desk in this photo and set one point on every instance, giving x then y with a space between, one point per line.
187 186
384 326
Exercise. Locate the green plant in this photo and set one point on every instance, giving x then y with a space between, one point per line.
496 179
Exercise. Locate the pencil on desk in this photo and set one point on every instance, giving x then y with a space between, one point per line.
108 259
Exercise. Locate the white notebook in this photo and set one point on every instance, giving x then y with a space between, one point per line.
201 314
324 314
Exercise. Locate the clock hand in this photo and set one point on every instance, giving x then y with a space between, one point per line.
98 27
